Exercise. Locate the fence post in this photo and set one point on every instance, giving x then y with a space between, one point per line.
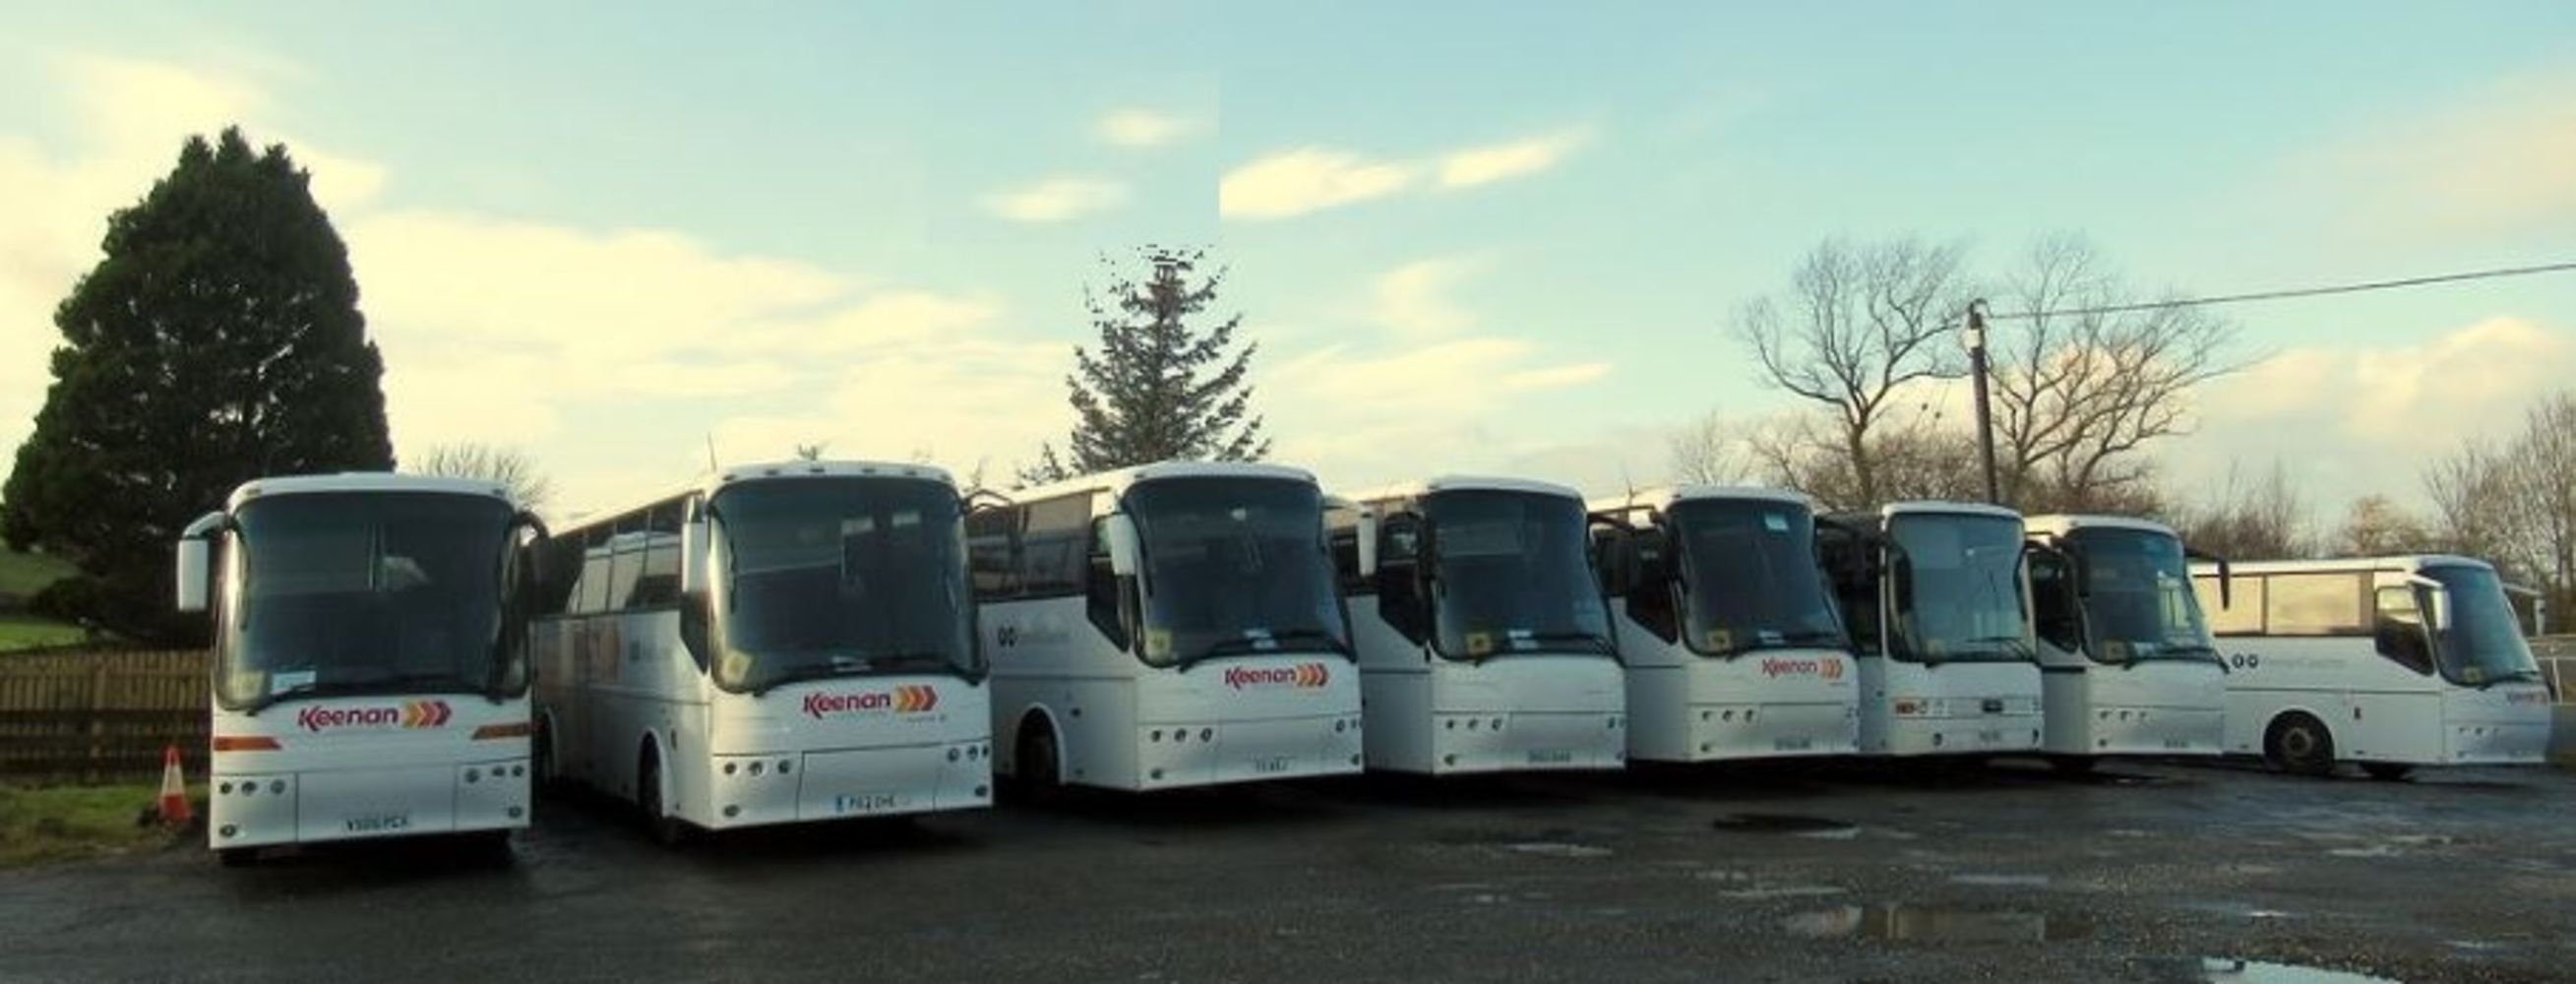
97 721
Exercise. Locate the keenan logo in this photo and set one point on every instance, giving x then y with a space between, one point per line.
1302 676
911 699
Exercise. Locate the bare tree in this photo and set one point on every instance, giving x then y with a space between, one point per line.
2249 519
2079 391
508 467
811 452
2514 504
2376 526
1914 457
1858 323
1711 451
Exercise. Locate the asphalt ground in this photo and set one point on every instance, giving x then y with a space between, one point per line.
1790 872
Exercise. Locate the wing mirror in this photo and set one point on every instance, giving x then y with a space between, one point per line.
697 545
196 573
1118 532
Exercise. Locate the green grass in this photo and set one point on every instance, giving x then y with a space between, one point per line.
24 574
30 632
66 823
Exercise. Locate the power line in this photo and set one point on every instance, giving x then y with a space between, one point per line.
2275 295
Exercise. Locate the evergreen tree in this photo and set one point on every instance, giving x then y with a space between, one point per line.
1157 389
218 341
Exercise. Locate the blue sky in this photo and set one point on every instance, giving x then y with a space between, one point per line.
1509 234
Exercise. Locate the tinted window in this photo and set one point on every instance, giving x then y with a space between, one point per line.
1053 545
991 534
2316 604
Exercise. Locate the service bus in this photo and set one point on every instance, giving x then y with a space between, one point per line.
1483 642
2126 659
1728 633
371 673
1164 626
2389 662
1936 600
780 643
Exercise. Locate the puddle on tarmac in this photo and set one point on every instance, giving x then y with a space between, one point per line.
1783 823
1924 924
2233 971
2002 881
1551 849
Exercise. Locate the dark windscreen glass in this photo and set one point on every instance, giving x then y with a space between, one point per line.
841 575
1962 595
367 592
2484 643
1234 565
1513 575
1753 578
2139 602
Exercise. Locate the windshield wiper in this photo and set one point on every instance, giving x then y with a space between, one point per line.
393 683
1265 643
834 667
1599 645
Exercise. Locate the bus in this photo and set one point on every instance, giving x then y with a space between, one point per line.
370 670
2126 660
1165 626
1484 645
1936 601
778 644
2388 662
1732 646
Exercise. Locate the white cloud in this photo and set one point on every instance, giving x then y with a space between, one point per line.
2354 420
1415 298
1312 179
1500 162
1309 180
1363 416
2495 158
1056 199
1143 127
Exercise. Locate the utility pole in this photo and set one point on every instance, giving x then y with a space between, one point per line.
1975 338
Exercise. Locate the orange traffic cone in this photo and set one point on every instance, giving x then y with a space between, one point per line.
174 790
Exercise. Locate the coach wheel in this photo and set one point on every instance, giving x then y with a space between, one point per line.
541 755
2300 744
2387 771
658 821
1039 771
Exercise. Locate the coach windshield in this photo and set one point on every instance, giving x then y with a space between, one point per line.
830 576
1957 582
1234 566
341 593
2483 644
2138 602
1512 575
1751 568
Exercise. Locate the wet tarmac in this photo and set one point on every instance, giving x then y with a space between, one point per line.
2143 872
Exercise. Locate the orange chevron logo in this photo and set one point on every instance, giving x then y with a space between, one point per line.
1833 669
425 714
915 699
1313 675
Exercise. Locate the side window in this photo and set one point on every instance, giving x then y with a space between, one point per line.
1399 576
2398 629
626 561
1848 569
2055 613
657 584
591 595
2242 612
2316 604
1054 544
1342 537
1104 593
991 534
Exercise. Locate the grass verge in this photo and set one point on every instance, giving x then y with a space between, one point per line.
30 632
65 823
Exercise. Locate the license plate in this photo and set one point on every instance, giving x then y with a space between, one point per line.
1272 765
1990 737
863 803
1551 756
1792 744
379 825
1994 707
2177 743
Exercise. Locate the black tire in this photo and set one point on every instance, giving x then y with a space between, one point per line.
541 759
2073 765
237 857
1037 770
664 828
2388 771
490 847
2299 744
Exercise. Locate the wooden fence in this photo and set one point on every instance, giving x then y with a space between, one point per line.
100 716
